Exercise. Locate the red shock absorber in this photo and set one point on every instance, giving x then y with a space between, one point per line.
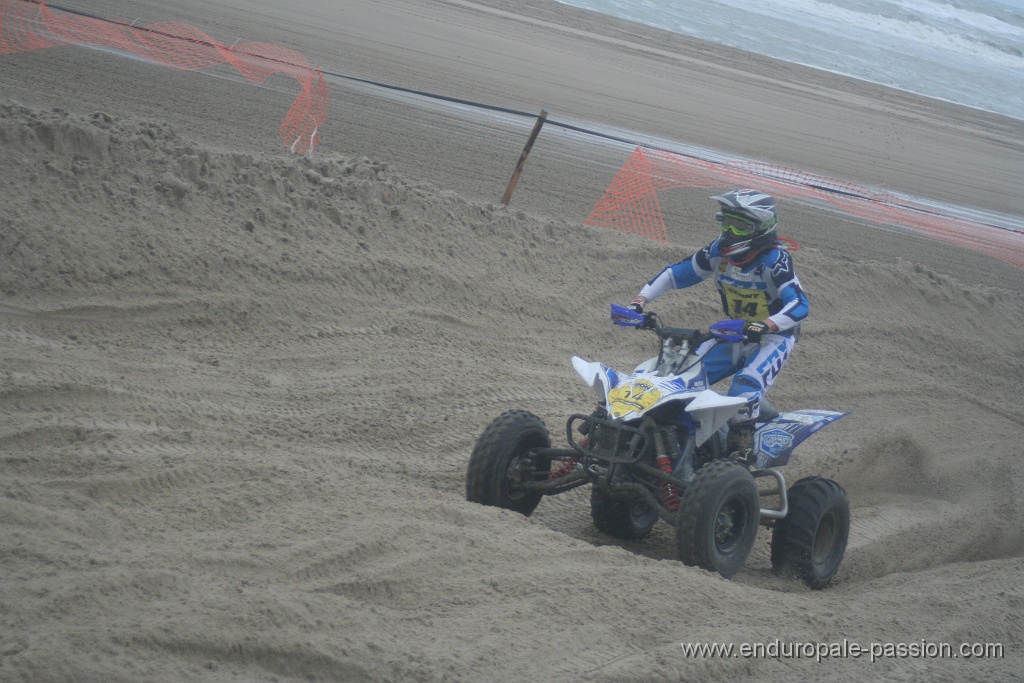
567 466
668 490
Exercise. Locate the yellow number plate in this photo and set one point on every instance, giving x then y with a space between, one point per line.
633 397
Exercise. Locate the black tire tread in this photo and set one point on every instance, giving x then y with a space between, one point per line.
489 461
793 538
693 505
613 517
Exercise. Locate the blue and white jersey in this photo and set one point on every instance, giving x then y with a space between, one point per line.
765 288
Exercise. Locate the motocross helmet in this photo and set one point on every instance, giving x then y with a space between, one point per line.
748 219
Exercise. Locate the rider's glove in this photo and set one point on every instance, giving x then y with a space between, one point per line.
753 332
638 304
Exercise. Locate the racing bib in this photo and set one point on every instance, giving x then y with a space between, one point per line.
745 304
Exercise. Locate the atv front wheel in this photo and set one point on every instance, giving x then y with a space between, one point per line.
625 519
718 516
809 543
499 462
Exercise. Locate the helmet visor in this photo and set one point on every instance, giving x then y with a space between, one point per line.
734 224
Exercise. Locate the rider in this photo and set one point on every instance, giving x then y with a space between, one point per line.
754 276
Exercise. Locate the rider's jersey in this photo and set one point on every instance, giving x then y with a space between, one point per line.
767 287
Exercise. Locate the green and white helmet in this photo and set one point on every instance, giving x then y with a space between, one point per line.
748 219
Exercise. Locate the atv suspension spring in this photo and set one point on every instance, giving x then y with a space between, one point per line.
568 465
565 468
668 489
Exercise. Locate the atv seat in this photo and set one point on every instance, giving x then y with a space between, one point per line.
766 412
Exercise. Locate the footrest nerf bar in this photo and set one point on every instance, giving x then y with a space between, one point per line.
768 513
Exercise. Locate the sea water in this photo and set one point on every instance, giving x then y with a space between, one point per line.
966 51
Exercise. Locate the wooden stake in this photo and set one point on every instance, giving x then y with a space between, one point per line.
507 197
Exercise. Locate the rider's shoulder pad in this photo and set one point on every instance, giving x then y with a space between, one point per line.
777 263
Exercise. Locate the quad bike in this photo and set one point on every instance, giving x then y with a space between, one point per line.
654 448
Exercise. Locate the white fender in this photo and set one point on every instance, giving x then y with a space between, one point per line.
590 372
712 410
594 374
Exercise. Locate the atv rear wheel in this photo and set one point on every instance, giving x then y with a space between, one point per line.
625 519
718 516
809 543
499 462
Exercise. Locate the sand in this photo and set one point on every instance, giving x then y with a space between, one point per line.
239 388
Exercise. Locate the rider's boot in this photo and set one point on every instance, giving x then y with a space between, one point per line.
739 444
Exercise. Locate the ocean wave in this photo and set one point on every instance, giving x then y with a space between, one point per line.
965 51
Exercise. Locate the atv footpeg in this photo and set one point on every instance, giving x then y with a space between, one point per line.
747 457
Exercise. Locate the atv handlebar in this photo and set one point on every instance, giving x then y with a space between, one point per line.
723 330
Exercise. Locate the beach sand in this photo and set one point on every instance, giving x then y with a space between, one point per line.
240 387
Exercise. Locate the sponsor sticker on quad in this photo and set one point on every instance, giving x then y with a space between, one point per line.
633 397
775 441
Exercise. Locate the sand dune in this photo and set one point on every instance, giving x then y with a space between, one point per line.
240 390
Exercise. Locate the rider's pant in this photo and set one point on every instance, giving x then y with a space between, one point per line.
754 368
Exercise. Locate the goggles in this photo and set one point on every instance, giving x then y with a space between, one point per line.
740 226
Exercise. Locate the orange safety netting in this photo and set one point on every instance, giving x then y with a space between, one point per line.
32 25
630 203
